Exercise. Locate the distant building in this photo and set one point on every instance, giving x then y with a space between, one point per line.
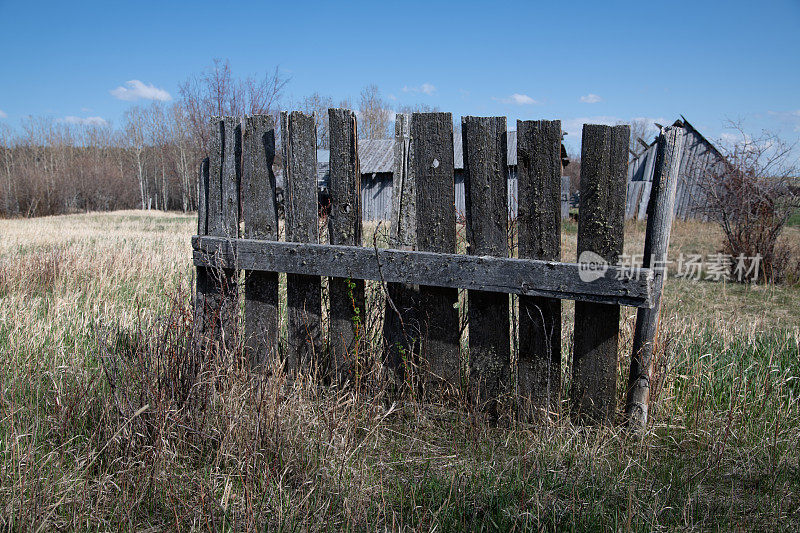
700 160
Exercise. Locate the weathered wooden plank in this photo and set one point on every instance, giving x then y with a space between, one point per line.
433 167
659 226
600 231
202 199
221 301
401 331
539 237
303 292
344 226
486 201
260 218
529 277
231 175
202 285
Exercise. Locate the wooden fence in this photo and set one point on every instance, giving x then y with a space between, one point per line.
421 272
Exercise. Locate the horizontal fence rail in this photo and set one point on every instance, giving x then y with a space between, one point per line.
530 277
420 274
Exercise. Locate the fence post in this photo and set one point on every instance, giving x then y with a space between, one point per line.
604 158
220 292
659 226
401 331
260 218
303 292
539 231
202 273
433 169
484 142
344 225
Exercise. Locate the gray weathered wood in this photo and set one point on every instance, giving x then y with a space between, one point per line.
202 281
433 168
492 274
202 199
401 330
659 226
344 226
260 220
604 159
221 301
303 292
486 201
539 237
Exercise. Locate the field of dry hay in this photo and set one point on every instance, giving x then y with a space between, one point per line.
107 421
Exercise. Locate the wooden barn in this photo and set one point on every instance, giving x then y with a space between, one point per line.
700 159
376 159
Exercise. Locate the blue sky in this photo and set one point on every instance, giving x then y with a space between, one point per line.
578 62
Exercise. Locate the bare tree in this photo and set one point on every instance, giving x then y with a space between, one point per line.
374 115
750 194
643 132
318 105
216 92
135 136
419 108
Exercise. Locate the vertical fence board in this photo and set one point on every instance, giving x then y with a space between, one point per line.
600 230
303 293
539 237
202 280
486 201
221 295
400 326
260 218
344 225
659 226
432 162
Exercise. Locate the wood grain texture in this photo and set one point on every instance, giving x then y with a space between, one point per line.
202 286
303 292
539 237
260 221
604 158
222 292
433 168
485 273
344 226
401 328
659 226
486 200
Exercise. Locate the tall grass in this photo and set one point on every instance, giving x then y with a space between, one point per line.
110 418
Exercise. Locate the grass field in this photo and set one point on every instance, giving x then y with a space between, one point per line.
104 425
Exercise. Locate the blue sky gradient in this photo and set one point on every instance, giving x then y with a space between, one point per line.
578 62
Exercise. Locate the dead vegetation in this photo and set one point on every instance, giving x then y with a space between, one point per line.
109 418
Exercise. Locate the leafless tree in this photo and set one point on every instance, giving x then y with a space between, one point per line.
374 115
417 108
318 105
216 92
751 195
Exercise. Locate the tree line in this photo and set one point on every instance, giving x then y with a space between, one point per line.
151 160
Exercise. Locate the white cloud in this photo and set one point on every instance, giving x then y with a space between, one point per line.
591 98
426 88
518 99
136 90
84 121
791 118
3 114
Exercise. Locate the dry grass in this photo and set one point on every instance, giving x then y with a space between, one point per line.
110 420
